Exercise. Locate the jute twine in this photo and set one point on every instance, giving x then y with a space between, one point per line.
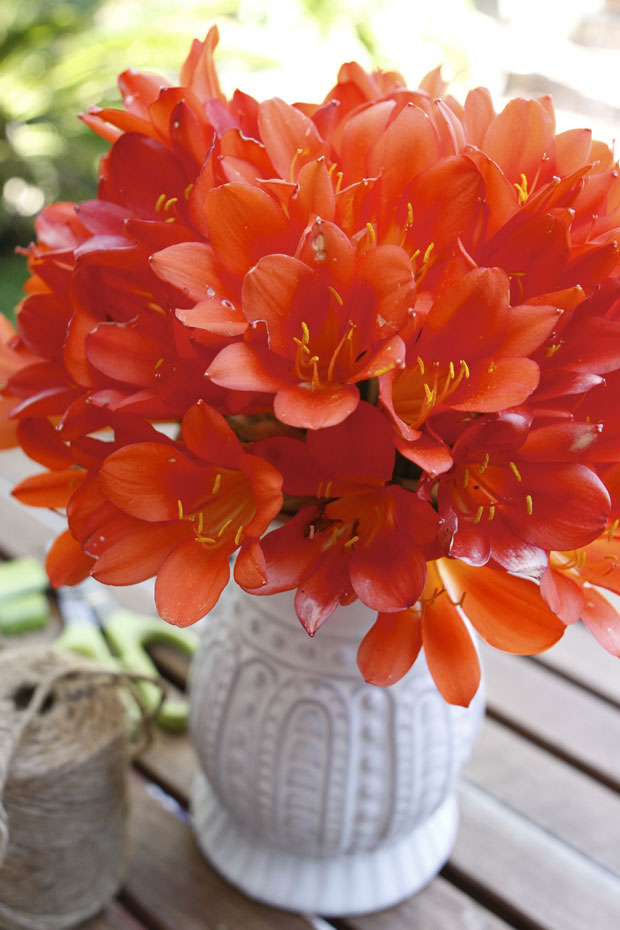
64 754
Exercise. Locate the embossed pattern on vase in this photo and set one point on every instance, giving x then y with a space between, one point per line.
300 749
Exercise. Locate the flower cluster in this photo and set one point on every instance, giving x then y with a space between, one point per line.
390 318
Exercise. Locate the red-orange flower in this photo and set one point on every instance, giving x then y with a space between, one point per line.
180 512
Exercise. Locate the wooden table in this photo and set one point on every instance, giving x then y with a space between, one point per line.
539 840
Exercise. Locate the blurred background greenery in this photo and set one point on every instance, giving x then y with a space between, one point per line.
58 57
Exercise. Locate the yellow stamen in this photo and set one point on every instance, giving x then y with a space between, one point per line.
294 162
420 365
529 504
479 513
465 477
351 542
335 294
452 375
550 352
238 535
427 254
188 190
339 178
205 539
483 465
223 527
170 203
465 367
305 333
409 215
216 484
491 512
170 219
160 202
156 307
332 168
522 189
201 520
429 393
612 530
159 363
515 471
180 506
372 233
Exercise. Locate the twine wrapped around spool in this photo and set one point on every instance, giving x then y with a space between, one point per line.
64 754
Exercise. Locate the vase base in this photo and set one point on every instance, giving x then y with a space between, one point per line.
336 886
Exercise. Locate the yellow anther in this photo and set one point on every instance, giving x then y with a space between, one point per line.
465 477
465 367
201 520
420 365
305 333
222 528
452 375
170 219
522 189
294 162
427 254
238 535
483 465
158 364
160 202
612 529
351 542
332 168
205 539
156 307
313 360
479 513
550 352
188 190
334 293
339 178
409 215
170 203
216 484
180 507
328 488
529 504
515 471
372 234
491 512
429 393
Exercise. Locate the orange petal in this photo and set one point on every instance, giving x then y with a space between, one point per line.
390 647
450 652
66 564
507 611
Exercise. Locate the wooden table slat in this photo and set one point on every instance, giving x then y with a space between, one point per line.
171 883
537 785
581 658
114 917
550 884
567 720
440 906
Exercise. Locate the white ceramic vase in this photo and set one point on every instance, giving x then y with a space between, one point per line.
318 792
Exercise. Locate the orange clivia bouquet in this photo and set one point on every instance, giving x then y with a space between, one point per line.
389 321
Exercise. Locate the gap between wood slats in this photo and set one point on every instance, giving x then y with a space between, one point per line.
543 742
570 676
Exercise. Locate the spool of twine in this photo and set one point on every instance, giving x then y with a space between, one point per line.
64 754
